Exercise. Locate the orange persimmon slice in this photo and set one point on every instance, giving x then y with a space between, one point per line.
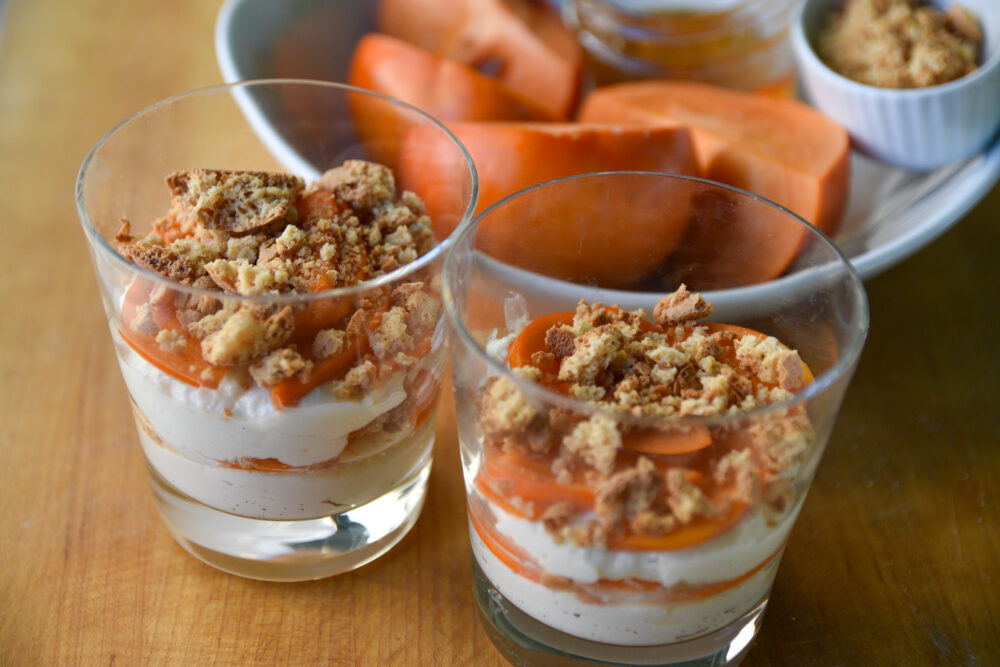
290 391
674 440
700 529
531 339
445 89
183 362
518 483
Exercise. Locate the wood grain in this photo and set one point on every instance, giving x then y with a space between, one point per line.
894 559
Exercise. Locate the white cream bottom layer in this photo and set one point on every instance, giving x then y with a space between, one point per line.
722 559
295 495
186 431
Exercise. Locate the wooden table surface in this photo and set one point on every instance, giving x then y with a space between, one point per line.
894 561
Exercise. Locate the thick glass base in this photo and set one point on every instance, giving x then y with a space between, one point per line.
291 550
524 641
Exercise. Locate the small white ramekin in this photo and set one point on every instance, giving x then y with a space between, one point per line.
918 128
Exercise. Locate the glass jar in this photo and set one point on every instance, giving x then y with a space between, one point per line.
739 44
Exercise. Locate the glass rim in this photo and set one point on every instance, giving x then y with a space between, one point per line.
846 360
101 245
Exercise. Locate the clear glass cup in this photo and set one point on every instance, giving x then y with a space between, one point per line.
327 471
553 582
739 44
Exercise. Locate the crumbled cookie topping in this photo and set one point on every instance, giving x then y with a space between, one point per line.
611 360
169 262
363 185
359 381
143 322
171 340
623 365
259 233
770 361
900 43
239 234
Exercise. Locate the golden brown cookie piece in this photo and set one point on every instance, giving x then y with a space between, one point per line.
235 201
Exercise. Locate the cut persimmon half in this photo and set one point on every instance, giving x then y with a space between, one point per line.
443 88
522 43
617 240
780 149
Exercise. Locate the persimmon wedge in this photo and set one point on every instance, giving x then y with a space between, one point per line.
445 89
781 149
732 242
522 43
620 239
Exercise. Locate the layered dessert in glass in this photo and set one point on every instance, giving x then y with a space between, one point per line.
280 335
272 410
609 528
635 458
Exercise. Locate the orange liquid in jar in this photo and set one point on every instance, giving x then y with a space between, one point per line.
743 47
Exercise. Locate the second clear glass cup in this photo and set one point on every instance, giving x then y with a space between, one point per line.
633 523
285 378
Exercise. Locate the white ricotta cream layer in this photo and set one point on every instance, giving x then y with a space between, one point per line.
754 540
296 495
640 624
232 421
187 433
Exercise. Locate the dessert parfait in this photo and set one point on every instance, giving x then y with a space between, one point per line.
277 369
634 520
633 471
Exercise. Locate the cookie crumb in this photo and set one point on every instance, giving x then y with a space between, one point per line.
637 491
772 362
596 441
278 366
681 307
171 340
560 341
504 409
235 201
363 185
143 321
329 343
247 335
